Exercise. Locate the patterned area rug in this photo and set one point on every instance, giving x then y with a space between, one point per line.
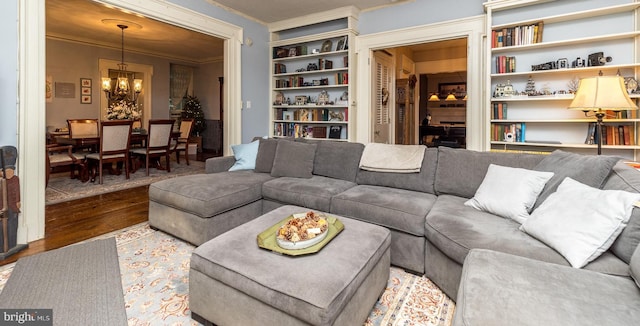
61 188
155 281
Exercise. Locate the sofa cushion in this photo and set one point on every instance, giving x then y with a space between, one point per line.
455 229
500 289
293 159
591 170
509 192
422 181
398 209
266 154
624 177
194 193
461 171
245 155
634 266
581 222
314 193
337 160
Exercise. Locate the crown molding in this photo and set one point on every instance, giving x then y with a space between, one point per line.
338 13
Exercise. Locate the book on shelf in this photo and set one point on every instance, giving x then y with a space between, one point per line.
509 132
517 35
341 78
279 68
499 110
319 132
505 64
623 134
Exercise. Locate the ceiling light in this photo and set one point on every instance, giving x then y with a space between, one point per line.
122 90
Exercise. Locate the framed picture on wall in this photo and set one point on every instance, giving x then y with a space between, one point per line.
85 99
85 82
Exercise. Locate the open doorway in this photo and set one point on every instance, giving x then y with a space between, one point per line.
429 94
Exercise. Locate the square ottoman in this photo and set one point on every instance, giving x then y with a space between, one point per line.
234 282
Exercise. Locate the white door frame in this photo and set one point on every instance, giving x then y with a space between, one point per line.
31 97
472 28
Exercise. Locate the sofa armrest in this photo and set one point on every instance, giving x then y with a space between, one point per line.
219 164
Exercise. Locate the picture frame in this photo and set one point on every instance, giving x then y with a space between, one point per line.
457 89
85 90
65 90
85 82
85 99
293 52
342 44
326 46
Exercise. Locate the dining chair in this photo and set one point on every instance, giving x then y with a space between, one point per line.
83 128
182 143
63 155
115 137
157 144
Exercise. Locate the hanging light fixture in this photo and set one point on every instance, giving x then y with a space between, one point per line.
122 89
434 98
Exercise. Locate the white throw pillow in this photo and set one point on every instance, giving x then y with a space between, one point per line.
580 222
509 192
245 155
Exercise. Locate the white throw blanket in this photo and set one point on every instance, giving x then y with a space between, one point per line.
392 158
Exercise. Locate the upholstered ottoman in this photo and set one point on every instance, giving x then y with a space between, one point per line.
191 209
234 282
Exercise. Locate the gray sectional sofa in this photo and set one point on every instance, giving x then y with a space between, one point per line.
432 230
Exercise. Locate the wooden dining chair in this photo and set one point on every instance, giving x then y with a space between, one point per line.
157 144
115 138
83 128
182 143
62 155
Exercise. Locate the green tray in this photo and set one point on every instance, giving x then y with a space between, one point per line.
267 239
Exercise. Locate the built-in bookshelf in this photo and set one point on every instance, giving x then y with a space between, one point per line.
310 86
536 64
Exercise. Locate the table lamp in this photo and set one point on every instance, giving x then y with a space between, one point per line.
601 94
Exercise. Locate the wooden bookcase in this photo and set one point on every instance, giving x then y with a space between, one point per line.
543 72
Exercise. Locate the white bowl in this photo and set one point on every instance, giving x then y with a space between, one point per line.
285 244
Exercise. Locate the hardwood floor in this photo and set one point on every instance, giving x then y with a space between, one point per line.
77 220
69 222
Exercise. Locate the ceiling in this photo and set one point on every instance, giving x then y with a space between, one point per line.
164 40
154 38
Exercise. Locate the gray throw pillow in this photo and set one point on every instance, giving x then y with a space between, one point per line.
634 266
590 170
266 154
294 159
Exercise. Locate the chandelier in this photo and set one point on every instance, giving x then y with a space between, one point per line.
122 89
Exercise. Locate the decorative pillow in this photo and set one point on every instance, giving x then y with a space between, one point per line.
294 159
266 153
590 170
245 155
509 192
634 266
580 222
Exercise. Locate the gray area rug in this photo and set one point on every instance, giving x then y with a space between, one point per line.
61 188
81 283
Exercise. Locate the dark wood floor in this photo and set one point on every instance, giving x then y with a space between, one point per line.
77 220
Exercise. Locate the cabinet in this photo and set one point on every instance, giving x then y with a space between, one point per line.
536 62
310 86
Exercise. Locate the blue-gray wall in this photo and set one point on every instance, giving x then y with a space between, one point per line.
415 13
9 73
255 67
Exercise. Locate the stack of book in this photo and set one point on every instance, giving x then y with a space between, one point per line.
517 35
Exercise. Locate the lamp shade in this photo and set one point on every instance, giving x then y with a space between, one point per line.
433 98
602 93
451 97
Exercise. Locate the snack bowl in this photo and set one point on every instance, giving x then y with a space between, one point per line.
301 244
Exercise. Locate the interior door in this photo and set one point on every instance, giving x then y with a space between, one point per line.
383 97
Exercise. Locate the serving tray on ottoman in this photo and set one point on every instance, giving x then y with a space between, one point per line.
234 282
